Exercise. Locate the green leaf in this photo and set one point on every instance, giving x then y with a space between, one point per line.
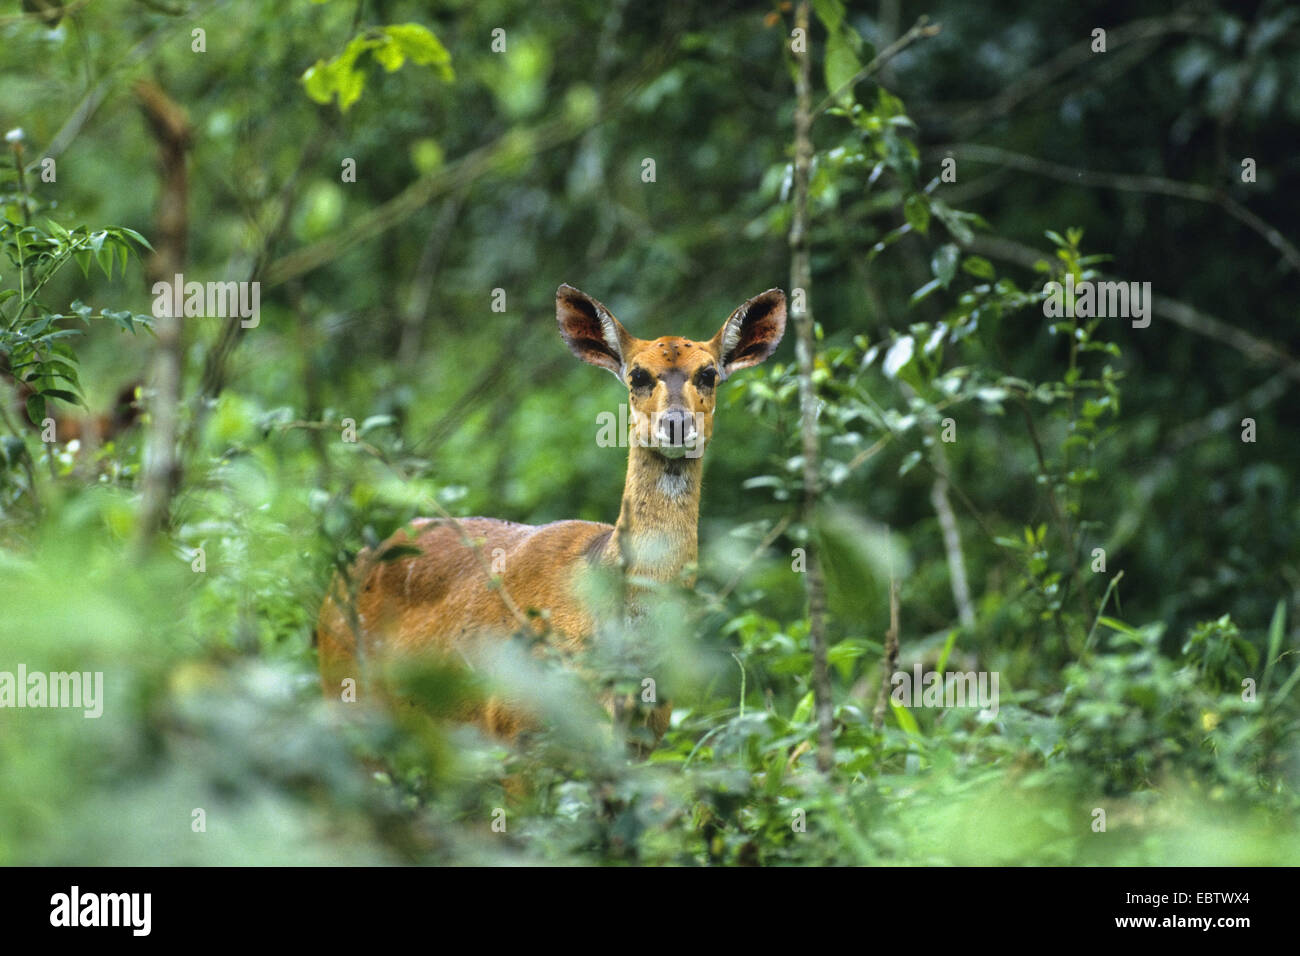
957 223
376 421
859 557
830 13
888 239
905 719
391 47
841 65
842 656
916 209
979 267
422 47
944 263
924 291
942 665
910 461
318 82
61 369
899 354
1276 627
803 710
62 395
349 84
36 409
136 236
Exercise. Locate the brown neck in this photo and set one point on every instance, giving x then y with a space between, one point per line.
657 533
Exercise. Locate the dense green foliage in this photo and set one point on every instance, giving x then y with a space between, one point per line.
1156 683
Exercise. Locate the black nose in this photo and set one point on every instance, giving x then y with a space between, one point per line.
673 426
676 427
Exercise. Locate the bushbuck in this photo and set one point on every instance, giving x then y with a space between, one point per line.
446 597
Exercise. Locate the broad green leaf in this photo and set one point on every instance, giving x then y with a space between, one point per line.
841 64
36 409
905 719
422 47
916 209
942 665
943 264
899 354
804 709
979 267
1276 628
830 13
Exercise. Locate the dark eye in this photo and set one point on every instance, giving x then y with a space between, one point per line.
707 378
640 378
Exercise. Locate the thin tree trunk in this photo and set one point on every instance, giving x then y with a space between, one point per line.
890 665
951 539
805 344
422 283
161 470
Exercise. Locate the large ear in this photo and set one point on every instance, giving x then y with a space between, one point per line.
590 331
752 333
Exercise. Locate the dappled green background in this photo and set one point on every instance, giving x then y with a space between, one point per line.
524 169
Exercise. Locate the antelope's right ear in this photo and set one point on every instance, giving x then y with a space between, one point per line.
590 331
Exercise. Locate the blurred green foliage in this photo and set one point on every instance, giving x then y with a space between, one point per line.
1165 698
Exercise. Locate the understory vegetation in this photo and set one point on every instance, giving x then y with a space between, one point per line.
1094 518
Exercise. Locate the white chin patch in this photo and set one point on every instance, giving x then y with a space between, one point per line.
673 451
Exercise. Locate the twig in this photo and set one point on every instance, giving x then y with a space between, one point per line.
1058 513
457 175
890 661
422 282
951 541
1180 313
868 453
1127 182
1088 642
922 28
162 460
1100 610
1030 82
763 545
73 125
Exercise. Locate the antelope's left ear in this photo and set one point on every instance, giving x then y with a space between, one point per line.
590 330
752 333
